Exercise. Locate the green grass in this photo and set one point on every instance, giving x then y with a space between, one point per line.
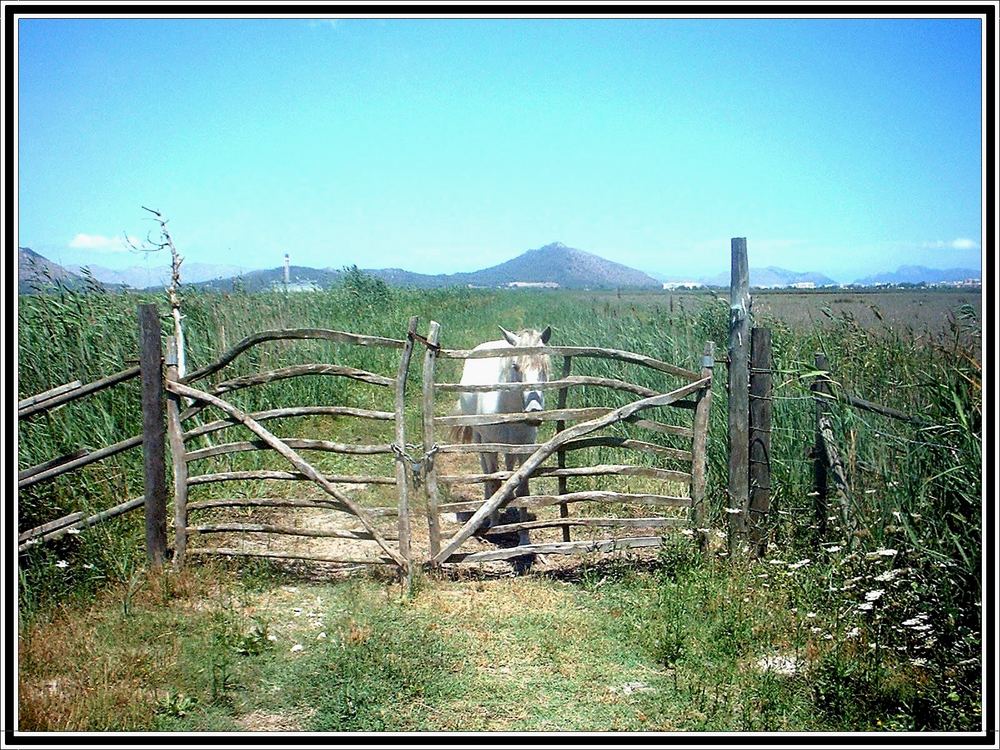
549 653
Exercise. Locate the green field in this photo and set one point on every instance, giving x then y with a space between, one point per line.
883 634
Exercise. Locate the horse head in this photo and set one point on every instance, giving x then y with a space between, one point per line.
529 368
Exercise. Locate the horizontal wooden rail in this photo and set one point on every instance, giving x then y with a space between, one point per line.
603 441
227 552
228 476
263 528
76 463
300 444
572 380
340 337
299 370
530 418
80 392
267 502
573 351
104 515
293 411
52 463
50 526
45 395
626 470
548 523
557 548
598 496
660 427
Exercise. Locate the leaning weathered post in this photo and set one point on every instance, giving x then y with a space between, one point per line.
178 461
430 472
739 383
820 388
561 455
760 438
402 480
153 434
699 447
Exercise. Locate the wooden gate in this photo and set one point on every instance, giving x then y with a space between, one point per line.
575 430
209 517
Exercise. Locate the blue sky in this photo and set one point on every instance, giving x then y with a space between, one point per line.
843 146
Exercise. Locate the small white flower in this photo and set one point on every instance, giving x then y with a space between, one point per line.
865 606
874 596
733 511
62 564
88 566
687 532
272 637
799 564
853 633
918 662
321 636
887 576
922 628
828 637
811 615
814 629
835 548
786 665
297 647
776 562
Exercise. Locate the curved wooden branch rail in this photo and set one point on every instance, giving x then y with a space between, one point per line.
230 476
298 370
573 351
572 380
78 392
299 444
623 470
272 502
294 411
340 337
598 496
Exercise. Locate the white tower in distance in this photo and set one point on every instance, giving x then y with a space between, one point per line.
286 269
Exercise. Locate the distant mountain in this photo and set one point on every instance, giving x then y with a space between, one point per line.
567 266
36 272
141 277
918 274
772 276
257 281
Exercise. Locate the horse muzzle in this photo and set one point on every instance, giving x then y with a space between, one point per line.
533 401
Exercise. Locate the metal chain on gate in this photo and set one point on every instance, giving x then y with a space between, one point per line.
416 465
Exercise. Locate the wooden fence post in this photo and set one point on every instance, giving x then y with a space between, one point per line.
402 463
760 437
699 447
178 461
153 434
820 386
561 455
739 383
430 472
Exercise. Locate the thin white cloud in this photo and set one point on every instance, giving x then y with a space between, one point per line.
331 23
100 243
959 243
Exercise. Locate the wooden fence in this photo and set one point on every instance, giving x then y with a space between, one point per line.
637 517
694 395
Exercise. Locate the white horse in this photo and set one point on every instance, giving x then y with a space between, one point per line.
531 368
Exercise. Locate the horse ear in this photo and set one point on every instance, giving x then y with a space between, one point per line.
511 338
546 333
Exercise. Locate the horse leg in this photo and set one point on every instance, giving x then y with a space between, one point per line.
490 465
513 461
